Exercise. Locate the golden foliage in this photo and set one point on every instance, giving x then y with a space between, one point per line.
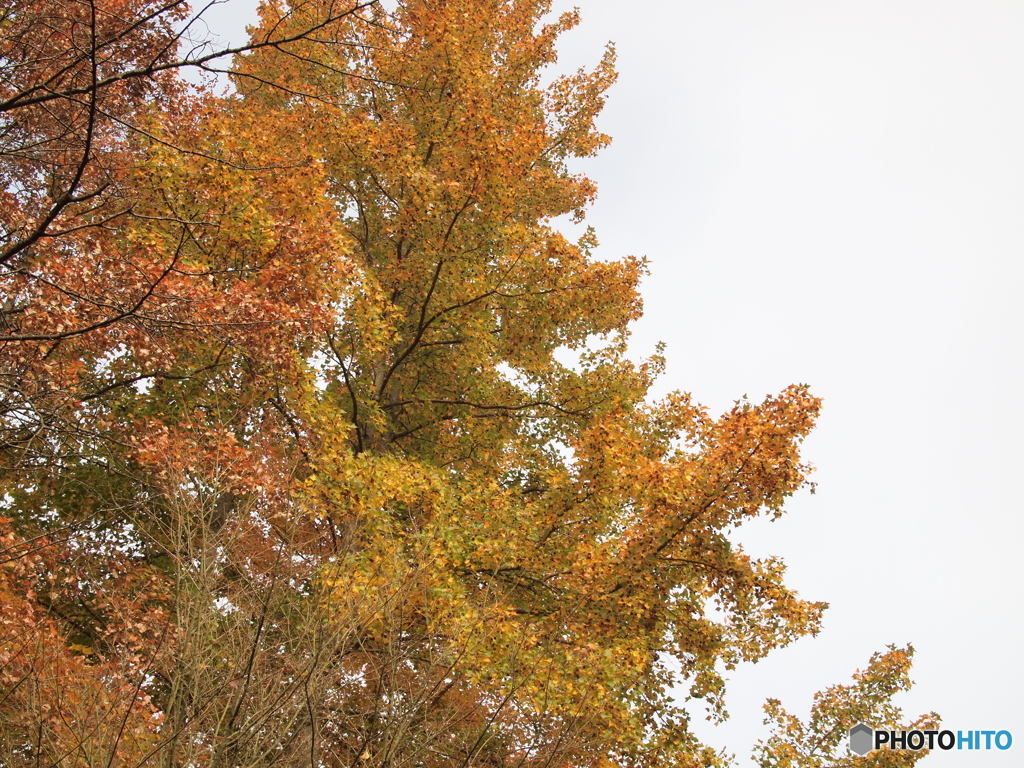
300 420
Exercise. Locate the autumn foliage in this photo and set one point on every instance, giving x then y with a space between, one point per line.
319 441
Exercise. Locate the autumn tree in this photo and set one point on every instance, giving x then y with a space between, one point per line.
322 443
821 740
84 87
129 264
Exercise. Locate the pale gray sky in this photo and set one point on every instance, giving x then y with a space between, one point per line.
833 193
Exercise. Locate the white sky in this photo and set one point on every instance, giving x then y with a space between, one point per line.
833 193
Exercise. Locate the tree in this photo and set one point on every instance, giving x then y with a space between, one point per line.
819 741
85 86
297 471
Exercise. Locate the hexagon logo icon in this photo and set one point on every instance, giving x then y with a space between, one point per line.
862 739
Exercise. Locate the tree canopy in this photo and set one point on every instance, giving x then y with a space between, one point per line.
319 441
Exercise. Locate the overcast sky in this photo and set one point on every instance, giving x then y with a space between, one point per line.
833 193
